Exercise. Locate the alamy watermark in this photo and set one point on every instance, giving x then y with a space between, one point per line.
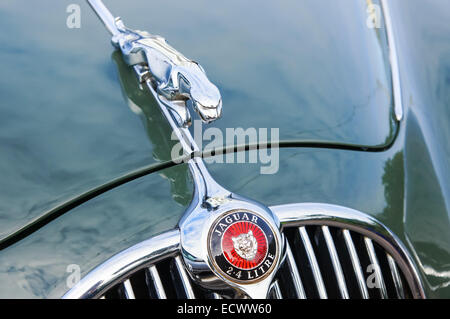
373 280
73 20
260 149
74 276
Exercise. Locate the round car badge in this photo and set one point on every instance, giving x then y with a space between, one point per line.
243 246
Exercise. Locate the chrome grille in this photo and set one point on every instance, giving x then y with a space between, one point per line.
162 280
330 262
331 252
325 262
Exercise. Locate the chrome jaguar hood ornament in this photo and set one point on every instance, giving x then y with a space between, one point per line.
227 240
176 77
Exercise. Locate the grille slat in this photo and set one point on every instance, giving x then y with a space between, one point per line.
157 283
335 261
317 275
396 277
184 278
293 270
355 263
128 289
376 268
276 290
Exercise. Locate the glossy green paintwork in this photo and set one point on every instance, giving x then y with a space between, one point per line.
312 69
64 127
422 31
36 267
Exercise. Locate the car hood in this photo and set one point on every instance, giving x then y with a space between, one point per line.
314 70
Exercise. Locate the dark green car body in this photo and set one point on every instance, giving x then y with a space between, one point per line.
83 177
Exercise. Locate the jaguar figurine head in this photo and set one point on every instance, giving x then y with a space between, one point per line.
204 96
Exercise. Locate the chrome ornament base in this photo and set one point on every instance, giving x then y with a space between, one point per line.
199 225
211 202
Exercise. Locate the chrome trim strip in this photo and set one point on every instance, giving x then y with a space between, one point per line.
336 263
293 270
356 264
374 261
184 278
313 262
396 277
153 272
393 58
122 265
301 214
276 290
129 293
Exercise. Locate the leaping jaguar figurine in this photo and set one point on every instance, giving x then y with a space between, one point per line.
175 77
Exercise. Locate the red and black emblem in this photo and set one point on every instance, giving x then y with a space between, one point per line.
243 246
